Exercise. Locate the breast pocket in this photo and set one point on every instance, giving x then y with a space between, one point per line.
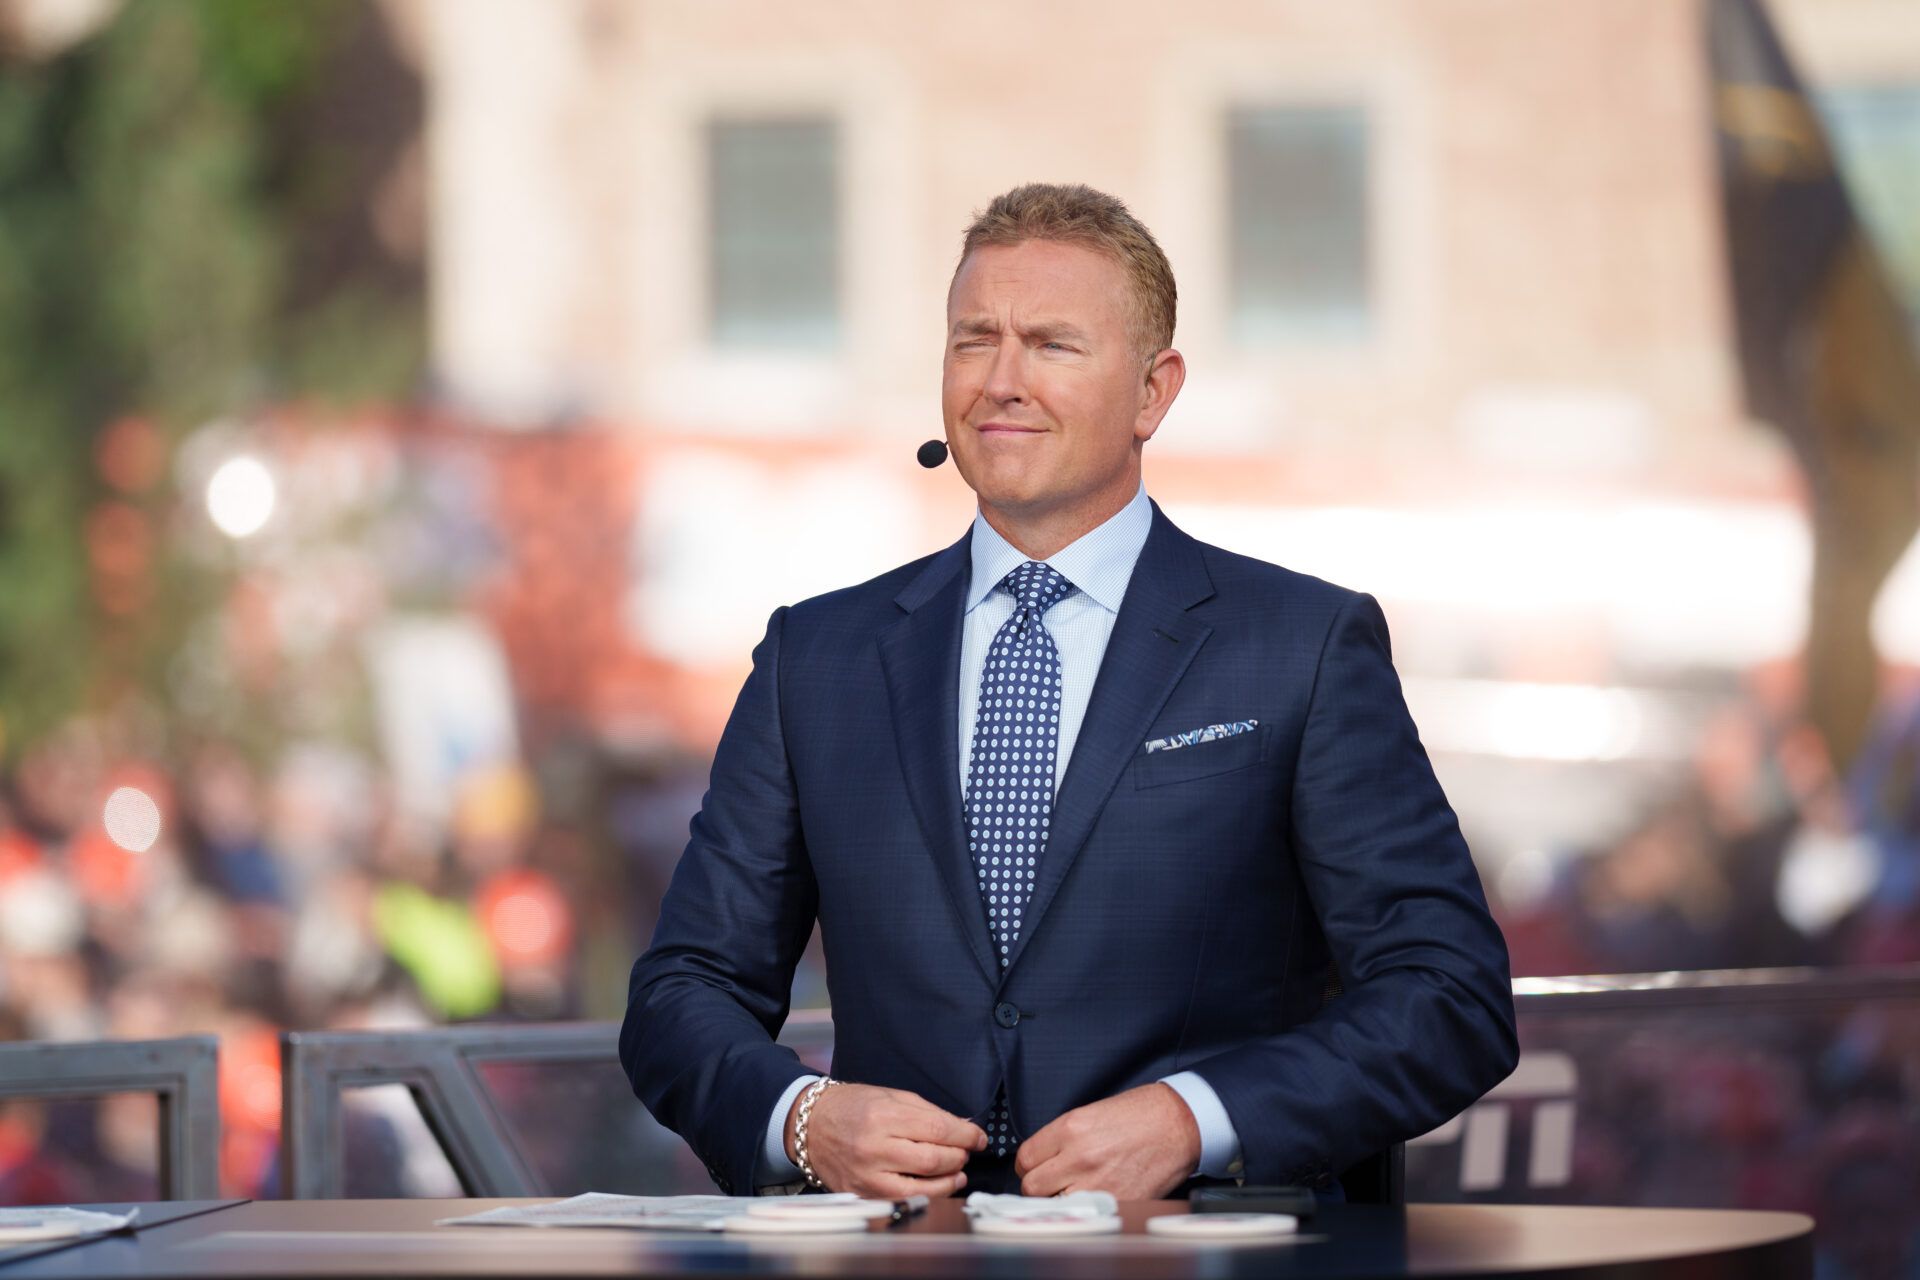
1201 760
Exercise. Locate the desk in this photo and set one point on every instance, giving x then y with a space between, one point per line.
367 1238
152 1214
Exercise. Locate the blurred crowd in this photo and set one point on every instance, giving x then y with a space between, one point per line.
329 810
297 898
1761 854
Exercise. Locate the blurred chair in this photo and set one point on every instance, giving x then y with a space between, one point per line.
456 1075
184 1074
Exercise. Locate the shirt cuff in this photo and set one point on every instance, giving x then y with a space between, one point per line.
1219 1144
775 1169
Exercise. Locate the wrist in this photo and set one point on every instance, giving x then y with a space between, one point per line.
1187 1126
799 1126
793 1115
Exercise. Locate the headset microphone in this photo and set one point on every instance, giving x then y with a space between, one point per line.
932 454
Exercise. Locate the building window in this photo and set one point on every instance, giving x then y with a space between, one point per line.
774 222
1875 130
1300 263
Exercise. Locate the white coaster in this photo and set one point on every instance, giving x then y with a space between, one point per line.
1046 1226
813 1224
807 1208
1223 1226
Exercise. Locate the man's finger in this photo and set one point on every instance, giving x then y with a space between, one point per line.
880 1185
894 1186
928 1123
1041 1147
940 1188
924 1159
1048 1178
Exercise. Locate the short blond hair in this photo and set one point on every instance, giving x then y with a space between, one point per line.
1073 213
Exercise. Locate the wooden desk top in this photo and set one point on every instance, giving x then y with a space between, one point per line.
363 1238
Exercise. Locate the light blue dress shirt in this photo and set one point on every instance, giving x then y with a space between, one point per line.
1100 564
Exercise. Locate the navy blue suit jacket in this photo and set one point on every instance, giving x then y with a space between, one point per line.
1190 907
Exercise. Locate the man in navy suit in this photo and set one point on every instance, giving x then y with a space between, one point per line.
1091 815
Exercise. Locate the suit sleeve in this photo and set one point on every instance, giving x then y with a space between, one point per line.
1425 1025
711 992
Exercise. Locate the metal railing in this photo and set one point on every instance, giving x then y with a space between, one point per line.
442 1068
182 1073
1690 1089
1711 988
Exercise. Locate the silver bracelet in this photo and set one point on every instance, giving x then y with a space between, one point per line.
800 1119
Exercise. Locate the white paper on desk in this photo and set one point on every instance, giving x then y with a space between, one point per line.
1075 1204
25 1226
598 1209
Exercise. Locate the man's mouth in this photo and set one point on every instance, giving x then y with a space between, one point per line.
987 428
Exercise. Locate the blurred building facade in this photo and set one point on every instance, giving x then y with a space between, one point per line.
1453 296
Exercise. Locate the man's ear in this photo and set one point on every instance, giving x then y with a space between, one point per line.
1166 374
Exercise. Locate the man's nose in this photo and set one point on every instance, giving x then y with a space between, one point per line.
1007 378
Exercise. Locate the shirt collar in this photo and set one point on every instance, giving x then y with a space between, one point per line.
1100 562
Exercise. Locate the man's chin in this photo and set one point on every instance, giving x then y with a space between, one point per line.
1004 488
1017 503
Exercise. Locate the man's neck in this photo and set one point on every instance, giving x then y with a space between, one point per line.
1039 536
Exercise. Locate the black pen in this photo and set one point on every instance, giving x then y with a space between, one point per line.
904 1209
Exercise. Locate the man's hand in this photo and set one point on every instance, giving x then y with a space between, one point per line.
1139 1145
885 1144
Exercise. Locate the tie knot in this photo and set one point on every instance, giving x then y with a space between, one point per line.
1036 587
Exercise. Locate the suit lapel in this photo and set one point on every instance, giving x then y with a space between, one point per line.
1154 641
921 657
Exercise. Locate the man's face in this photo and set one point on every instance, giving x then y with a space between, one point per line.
1043 394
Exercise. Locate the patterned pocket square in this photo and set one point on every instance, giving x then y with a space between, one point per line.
1193 737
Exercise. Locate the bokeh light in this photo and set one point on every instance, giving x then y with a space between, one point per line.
241 496
523 924
526 917
132 819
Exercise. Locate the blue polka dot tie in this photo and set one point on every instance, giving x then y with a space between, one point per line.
1010 769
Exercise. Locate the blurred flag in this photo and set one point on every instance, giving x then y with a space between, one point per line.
1825 356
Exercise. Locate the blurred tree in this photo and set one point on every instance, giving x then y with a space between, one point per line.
194 219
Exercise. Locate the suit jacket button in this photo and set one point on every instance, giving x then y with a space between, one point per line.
1006 1014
